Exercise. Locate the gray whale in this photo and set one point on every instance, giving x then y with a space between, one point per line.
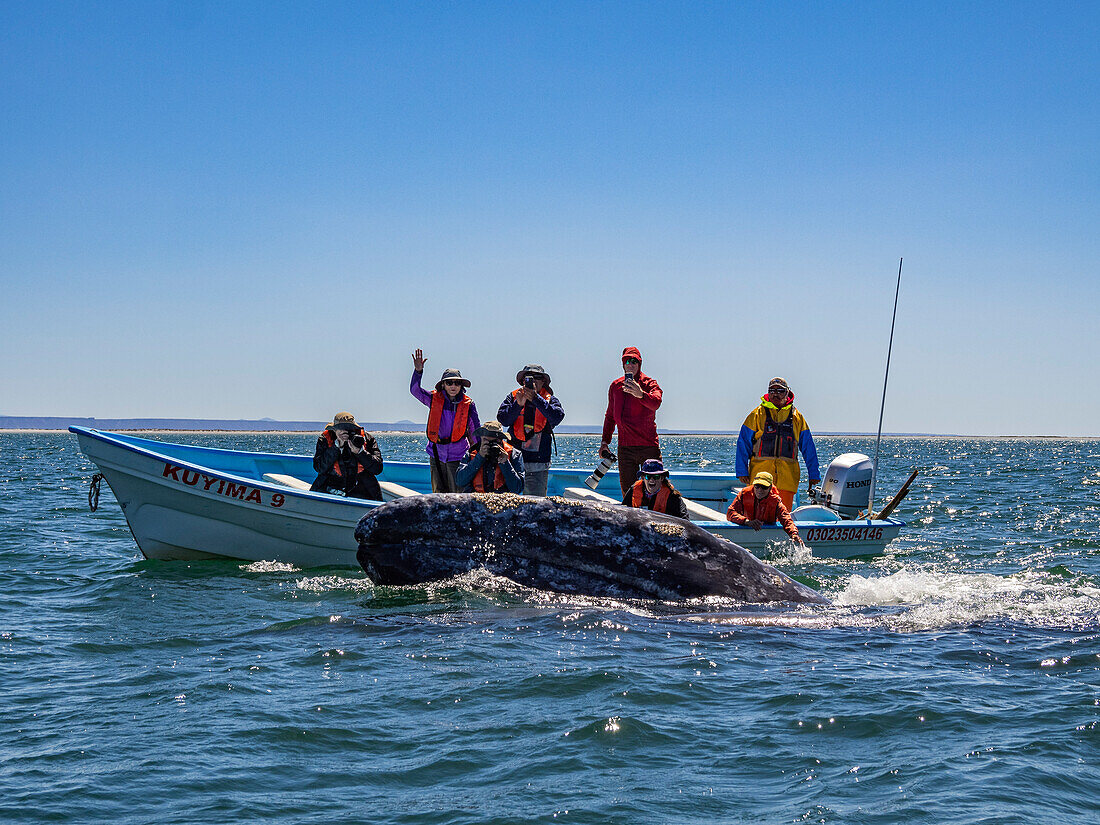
563 545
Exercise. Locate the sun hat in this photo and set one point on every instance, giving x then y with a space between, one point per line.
778 382
492 430
344 421
763 479
535 371
653 466
451 375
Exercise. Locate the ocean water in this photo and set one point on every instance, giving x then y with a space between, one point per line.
954 680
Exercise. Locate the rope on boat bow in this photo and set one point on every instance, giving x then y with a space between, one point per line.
93 492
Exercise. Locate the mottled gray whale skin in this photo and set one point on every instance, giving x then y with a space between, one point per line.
565 546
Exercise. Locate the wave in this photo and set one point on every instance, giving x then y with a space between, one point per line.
939 599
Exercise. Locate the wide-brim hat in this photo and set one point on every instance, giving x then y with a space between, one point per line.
653 466
535 371
763 479
451 375
344 421
492 429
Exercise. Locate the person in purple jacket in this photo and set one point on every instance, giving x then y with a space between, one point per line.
452 422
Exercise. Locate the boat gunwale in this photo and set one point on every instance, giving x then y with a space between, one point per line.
124 442
309 495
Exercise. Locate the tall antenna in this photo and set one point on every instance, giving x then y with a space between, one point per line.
882 410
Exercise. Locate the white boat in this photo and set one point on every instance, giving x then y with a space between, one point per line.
188 502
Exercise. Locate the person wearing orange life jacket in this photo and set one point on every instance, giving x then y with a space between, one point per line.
452 422
761 504
493 466
530 414
653 491
347 459
770 440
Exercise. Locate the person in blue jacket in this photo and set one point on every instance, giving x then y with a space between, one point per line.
771 438
493 465
529 414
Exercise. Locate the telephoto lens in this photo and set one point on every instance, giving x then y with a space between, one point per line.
358 440
593 481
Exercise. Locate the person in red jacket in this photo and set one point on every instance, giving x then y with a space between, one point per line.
632 402
760 504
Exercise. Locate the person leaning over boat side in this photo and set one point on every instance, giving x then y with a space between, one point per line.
493 465
347 459
530 415
771 438
761 504
632 407
655 492
452 422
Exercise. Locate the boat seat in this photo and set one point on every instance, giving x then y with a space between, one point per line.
286 481
700 512
814 512
391 490
585 494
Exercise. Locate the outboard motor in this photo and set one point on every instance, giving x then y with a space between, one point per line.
846 485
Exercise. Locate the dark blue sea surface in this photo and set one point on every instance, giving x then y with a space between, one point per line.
954 680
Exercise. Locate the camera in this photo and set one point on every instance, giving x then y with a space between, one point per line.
628 376
529 382
358 440
492 454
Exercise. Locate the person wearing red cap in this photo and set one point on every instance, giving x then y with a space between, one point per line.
632 402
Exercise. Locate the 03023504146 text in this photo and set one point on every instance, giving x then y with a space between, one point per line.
813 534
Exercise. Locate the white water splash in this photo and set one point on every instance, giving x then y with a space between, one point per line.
939 599
326 584
788 554
264 566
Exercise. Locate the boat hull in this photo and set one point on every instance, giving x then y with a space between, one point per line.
180 510
186 502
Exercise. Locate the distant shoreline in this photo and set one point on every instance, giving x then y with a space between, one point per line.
696 433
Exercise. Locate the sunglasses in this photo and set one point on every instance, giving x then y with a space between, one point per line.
452 383
631 361
653 476
777 390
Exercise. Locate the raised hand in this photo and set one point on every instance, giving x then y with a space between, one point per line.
419 360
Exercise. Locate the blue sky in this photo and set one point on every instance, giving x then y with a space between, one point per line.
243 210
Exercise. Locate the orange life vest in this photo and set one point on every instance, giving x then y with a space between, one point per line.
435 415
498 482
660 504
519 428
330 436
766 509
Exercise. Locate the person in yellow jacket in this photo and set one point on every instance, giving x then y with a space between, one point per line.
770 440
